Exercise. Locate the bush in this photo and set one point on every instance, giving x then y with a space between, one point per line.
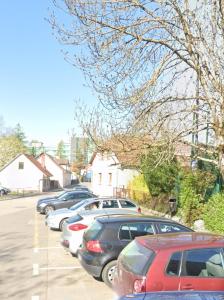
214 214
138 190
193 187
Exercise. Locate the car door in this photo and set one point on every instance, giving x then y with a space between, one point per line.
76 197
67 200
202 268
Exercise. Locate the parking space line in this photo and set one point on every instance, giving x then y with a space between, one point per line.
35 298
35 269
59 268
36 250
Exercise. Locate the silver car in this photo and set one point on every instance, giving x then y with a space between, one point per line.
56 218
74 227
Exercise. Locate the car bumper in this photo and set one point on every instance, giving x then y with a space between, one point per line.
52 224
86 264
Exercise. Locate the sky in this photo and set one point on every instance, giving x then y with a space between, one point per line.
37 86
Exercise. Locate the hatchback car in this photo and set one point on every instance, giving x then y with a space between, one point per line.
74 227
64 200
177 295
183 261
106 238
56 218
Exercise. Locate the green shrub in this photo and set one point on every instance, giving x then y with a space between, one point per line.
193 187
138 190
214 214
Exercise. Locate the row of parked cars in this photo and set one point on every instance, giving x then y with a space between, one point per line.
133 253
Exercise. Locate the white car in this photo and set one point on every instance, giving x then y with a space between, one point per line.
74 227
56 218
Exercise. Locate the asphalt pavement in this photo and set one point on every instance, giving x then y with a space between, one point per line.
34 266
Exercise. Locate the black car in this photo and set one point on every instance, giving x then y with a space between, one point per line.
64 200
4 190
107 236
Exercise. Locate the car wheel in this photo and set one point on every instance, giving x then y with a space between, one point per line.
62 223
48 209
108 272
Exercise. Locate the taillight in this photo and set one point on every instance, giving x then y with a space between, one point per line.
94 246
139 210
77 227
140 286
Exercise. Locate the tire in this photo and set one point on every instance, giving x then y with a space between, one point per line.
62 223
108 273
48 209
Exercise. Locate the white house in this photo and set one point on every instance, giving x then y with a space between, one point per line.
24 172
109 172
59 169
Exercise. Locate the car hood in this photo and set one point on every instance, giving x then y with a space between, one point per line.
46 200
60 211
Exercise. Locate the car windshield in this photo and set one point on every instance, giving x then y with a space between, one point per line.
61 195
93 230
74 219
77 205
136 259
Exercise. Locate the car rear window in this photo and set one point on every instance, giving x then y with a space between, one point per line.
74 219
93 231
136 259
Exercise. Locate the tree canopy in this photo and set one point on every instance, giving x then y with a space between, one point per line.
157 65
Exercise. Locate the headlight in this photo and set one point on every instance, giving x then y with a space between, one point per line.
42 205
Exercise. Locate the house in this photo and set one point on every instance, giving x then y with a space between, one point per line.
24 172
110 171
60 170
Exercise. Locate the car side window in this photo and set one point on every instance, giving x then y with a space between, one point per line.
173 266
124 232
83 196
203 263
169 227
126 204
110 204
132 230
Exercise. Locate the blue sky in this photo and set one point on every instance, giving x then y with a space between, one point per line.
37 86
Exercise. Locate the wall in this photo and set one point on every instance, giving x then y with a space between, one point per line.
112 175
27 178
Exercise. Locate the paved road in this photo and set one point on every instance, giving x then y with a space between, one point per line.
33 264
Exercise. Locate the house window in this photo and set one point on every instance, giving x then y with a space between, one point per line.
110 179
21 165
100 178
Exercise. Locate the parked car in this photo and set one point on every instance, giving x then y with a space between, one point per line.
181 261
64 200
106 238
177 295
74 227
78 188
4 190
56 218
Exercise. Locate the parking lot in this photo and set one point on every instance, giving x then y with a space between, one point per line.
34 265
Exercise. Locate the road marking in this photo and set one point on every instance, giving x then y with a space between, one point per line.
35 269
36 233
36 250
60 268
35 298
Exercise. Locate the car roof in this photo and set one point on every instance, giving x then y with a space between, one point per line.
136 217
100 199
105 211
180 241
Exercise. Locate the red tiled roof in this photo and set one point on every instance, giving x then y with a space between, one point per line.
38 165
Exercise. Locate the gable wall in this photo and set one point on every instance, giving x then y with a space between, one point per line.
28 178
112 176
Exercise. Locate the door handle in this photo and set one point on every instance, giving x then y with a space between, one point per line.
187 286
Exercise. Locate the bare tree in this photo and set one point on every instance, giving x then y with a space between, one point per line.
154 63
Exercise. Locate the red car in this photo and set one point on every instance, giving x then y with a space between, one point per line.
171 262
